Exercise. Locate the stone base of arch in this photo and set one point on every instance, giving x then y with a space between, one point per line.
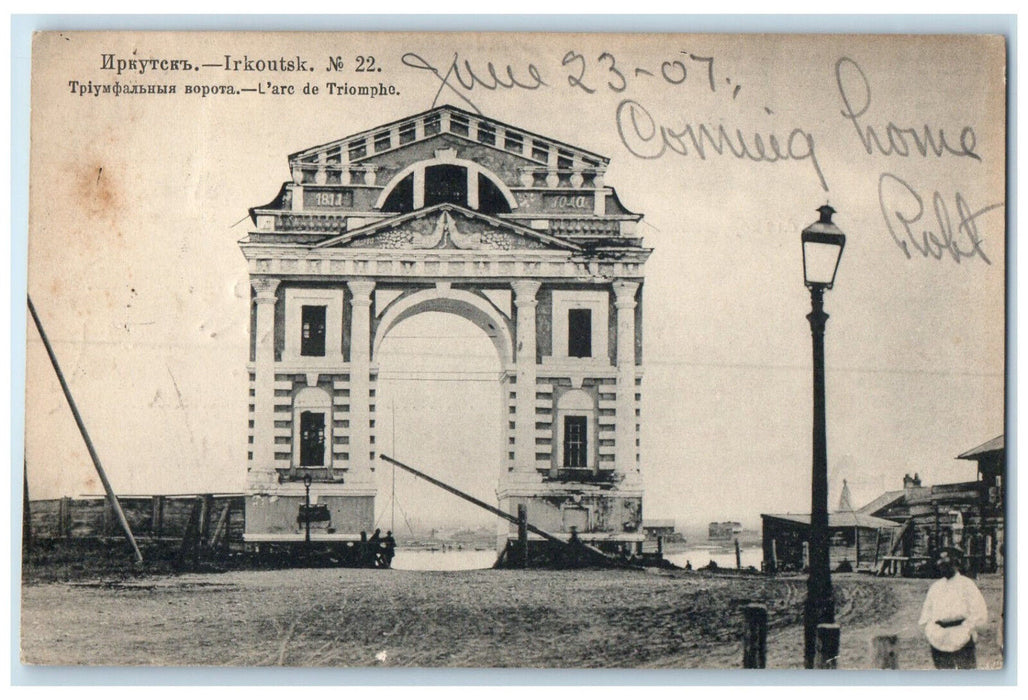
273 517
597 514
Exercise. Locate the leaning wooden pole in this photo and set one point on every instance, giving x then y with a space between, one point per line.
505 515
467 497
111 497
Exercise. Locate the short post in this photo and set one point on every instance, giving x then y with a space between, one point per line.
26 513
107 515
64 517
738 555
660 546
205 517
826 649
523 534
878 539
883 646
754 636
156 508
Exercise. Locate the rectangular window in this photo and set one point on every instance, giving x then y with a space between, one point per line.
459 125
312 439
382 141
580 333
575 442
357 149
540 152
312 339
407 133
433 125
513 142
486 134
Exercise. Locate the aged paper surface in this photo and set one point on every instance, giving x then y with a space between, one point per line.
153 155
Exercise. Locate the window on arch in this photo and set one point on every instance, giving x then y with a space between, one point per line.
312 439
580 333
312 339
575 442
446 184
490 198
401 199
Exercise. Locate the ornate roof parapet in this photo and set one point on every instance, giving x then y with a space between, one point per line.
483 164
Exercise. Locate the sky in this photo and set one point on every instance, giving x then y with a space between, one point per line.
137 203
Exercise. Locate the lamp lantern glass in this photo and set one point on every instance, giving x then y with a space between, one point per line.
822 248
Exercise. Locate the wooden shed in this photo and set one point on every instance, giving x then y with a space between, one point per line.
856 538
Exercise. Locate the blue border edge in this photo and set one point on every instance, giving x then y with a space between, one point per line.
22 28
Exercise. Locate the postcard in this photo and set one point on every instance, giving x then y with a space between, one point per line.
523 350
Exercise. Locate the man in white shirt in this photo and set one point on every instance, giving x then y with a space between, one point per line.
953 610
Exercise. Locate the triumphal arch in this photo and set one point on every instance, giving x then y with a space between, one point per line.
452 212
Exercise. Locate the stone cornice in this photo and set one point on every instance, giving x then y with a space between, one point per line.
301 262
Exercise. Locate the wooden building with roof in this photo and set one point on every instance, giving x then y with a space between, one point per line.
968 515
858 539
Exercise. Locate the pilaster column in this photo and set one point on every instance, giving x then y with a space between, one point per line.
360 381
524 407
263 464
624 438
419 188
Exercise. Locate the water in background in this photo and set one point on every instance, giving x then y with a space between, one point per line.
750 556
452 560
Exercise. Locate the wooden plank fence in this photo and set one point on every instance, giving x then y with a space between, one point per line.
219 519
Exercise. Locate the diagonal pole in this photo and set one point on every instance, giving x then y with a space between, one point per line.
115 505
503 514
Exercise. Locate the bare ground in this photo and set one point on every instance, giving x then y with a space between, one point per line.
528 619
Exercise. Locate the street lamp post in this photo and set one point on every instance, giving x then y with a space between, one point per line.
822 248
307 481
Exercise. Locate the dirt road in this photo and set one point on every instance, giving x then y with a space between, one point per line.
533 619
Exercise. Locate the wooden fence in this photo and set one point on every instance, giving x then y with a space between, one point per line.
213 522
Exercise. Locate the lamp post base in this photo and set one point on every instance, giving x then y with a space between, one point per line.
817 609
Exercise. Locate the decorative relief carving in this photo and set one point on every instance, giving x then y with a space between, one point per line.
391 239
447 232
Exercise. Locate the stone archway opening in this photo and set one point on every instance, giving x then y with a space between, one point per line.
438 377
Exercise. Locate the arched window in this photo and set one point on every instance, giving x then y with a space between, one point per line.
312 429
401 199
435 182
490 198
446 184
576 430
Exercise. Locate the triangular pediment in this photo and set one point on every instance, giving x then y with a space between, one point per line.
446 226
